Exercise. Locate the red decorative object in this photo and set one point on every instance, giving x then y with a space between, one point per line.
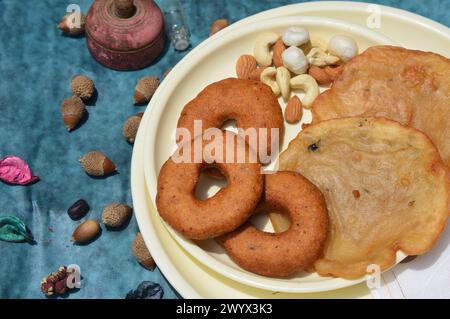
125 34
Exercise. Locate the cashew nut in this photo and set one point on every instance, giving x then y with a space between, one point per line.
320 58
296 36
307 84
343 47
262 46
268 77
283 78
295 60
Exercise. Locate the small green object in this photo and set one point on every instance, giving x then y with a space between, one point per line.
13 229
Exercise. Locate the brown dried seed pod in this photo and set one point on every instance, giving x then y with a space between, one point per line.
73 23
166 73
115 215
278 49
83 87
218 25
294 110
131 127
86 231
72 111
97 164
145 88
320 75
141 253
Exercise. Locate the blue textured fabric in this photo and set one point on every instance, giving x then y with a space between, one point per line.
36 65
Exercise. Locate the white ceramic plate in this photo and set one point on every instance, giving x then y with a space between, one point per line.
213 62
190 278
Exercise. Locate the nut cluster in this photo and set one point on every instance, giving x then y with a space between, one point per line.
295 61
55 283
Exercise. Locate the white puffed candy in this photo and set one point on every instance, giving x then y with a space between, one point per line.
343 47
295 60
296 36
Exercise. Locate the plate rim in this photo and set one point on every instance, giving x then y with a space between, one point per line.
168 269
156 111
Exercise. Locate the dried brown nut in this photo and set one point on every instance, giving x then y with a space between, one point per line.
294 110
218 25
145 88
131 127
72 110
245 65
86 232
97 164
333 71
320 75
73 23
83 87
78 210
255 75
277 51
166 73
141 253
115 215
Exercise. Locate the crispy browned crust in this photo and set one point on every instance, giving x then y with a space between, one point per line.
250 103
283 254
404 186
408 86
215 216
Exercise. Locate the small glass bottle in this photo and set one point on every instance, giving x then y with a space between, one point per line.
175 24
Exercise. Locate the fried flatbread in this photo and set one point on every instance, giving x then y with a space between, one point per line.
385 186
408 86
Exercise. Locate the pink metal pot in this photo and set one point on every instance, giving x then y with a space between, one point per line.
125 34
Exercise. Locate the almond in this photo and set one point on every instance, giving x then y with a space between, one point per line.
255 75
333 71
294 111
278 49
245 65
320 75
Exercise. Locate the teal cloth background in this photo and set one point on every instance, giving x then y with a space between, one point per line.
36 65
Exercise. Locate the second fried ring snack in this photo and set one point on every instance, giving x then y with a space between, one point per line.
282 254
226 210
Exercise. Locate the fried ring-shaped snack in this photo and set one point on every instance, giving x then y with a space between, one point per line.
250 103
282 254
227 209
385 185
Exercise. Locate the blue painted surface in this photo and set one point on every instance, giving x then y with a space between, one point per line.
36 64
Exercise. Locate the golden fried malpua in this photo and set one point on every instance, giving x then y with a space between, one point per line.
385 186
408 86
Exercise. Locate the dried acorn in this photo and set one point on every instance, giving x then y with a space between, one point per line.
146 290
72 110
97 164
141 253
86 232
78 210
115 215
166 73
73 23
218 25
83 87
145 88
131 127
